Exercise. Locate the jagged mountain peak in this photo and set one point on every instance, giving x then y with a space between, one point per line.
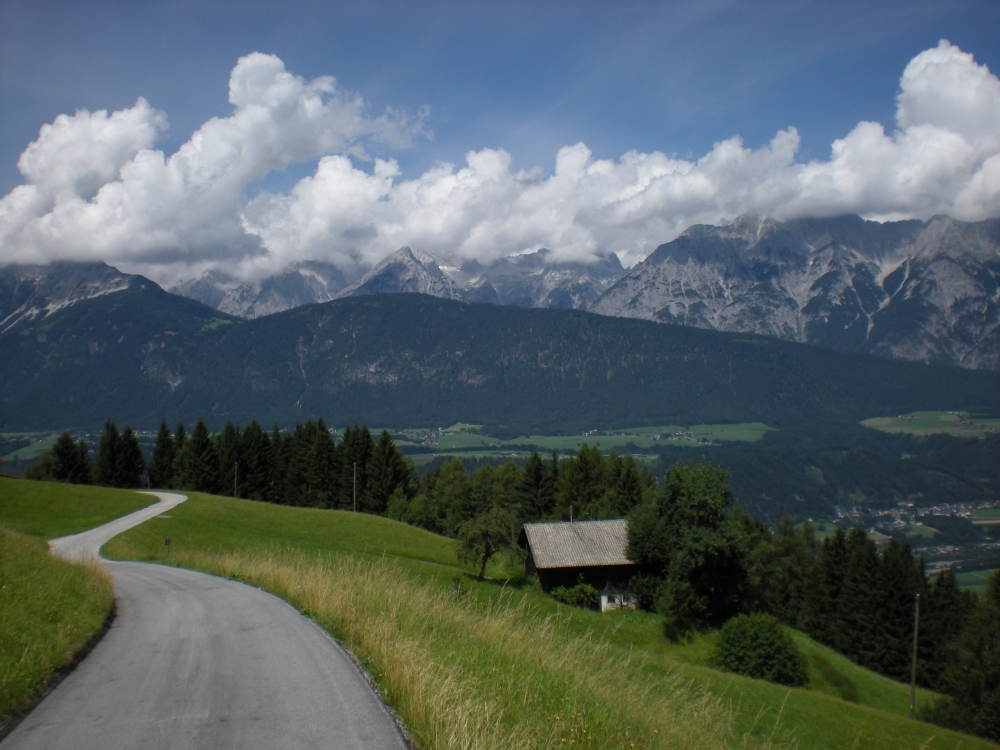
908 289
37 291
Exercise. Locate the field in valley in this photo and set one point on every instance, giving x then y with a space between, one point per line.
957 423
468 441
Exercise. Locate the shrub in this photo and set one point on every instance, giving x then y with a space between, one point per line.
581 595
758 646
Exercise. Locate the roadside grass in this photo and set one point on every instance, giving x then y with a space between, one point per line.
931 422
505 666
48 610
52 509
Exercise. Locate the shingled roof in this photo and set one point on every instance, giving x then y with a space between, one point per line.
579 544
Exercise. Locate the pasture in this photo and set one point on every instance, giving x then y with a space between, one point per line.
956 423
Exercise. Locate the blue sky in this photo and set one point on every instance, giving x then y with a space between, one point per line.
528 78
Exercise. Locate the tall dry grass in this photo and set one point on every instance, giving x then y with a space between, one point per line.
464 674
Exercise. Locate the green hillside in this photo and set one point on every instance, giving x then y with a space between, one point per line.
413 360
505 665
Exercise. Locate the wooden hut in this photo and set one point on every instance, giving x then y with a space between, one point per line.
564 554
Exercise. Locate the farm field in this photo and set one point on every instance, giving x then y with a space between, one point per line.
957 423
505 665
974 580
469 442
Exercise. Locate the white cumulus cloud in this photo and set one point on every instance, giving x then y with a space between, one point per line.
95 189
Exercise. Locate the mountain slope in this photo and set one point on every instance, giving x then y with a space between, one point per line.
35 292
926 292
413 360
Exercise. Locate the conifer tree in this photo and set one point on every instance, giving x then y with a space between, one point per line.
899 581
229 447
198 461
943 614
71 460
257 477
325 469
84 465
131 465
821 617
531 495
387 470
106 472
161 467
858 602
356 448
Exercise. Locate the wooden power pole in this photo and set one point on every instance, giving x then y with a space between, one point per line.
913 674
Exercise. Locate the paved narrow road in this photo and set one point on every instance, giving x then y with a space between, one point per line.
195 661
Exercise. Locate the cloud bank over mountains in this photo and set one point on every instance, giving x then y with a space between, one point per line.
97 189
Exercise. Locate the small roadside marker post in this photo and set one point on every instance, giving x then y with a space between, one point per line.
166 543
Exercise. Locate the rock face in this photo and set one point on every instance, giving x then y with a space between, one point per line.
412 271
30 292
537 280
910 290
303 284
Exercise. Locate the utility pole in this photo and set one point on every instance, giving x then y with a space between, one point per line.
913 676
571 514
236 480
355 486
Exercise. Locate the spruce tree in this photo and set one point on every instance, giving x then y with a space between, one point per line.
387 470
325 470
106 472
531 490
198 462
858 604
161 467
130 465
821 616
84 465
257 477
356 448
943 614
229 448
65 458
899 581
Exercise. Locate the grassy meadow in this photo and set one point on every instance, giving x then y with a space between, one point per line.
957 423
505 666
48 608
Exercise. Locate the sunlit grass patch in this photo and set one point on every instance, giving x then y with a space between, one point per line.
48 611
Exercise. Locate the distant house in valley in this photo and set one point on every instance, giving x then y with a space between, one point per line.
564 554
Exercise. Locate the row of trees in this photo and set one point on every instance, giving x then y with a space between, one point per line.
306 467
588 486
119 460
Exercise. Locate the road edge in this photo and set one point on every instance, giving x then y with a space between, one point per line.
9 724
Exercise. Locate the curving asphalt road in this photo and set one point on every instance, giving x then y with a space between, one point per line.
195 661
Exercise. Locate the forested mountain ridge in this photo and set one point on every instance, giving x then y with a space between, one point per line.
928 292
414 360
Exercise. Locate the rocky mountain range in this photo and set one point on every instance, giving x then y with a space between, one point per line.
924 291
529 280
912 290
35 292
302 284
